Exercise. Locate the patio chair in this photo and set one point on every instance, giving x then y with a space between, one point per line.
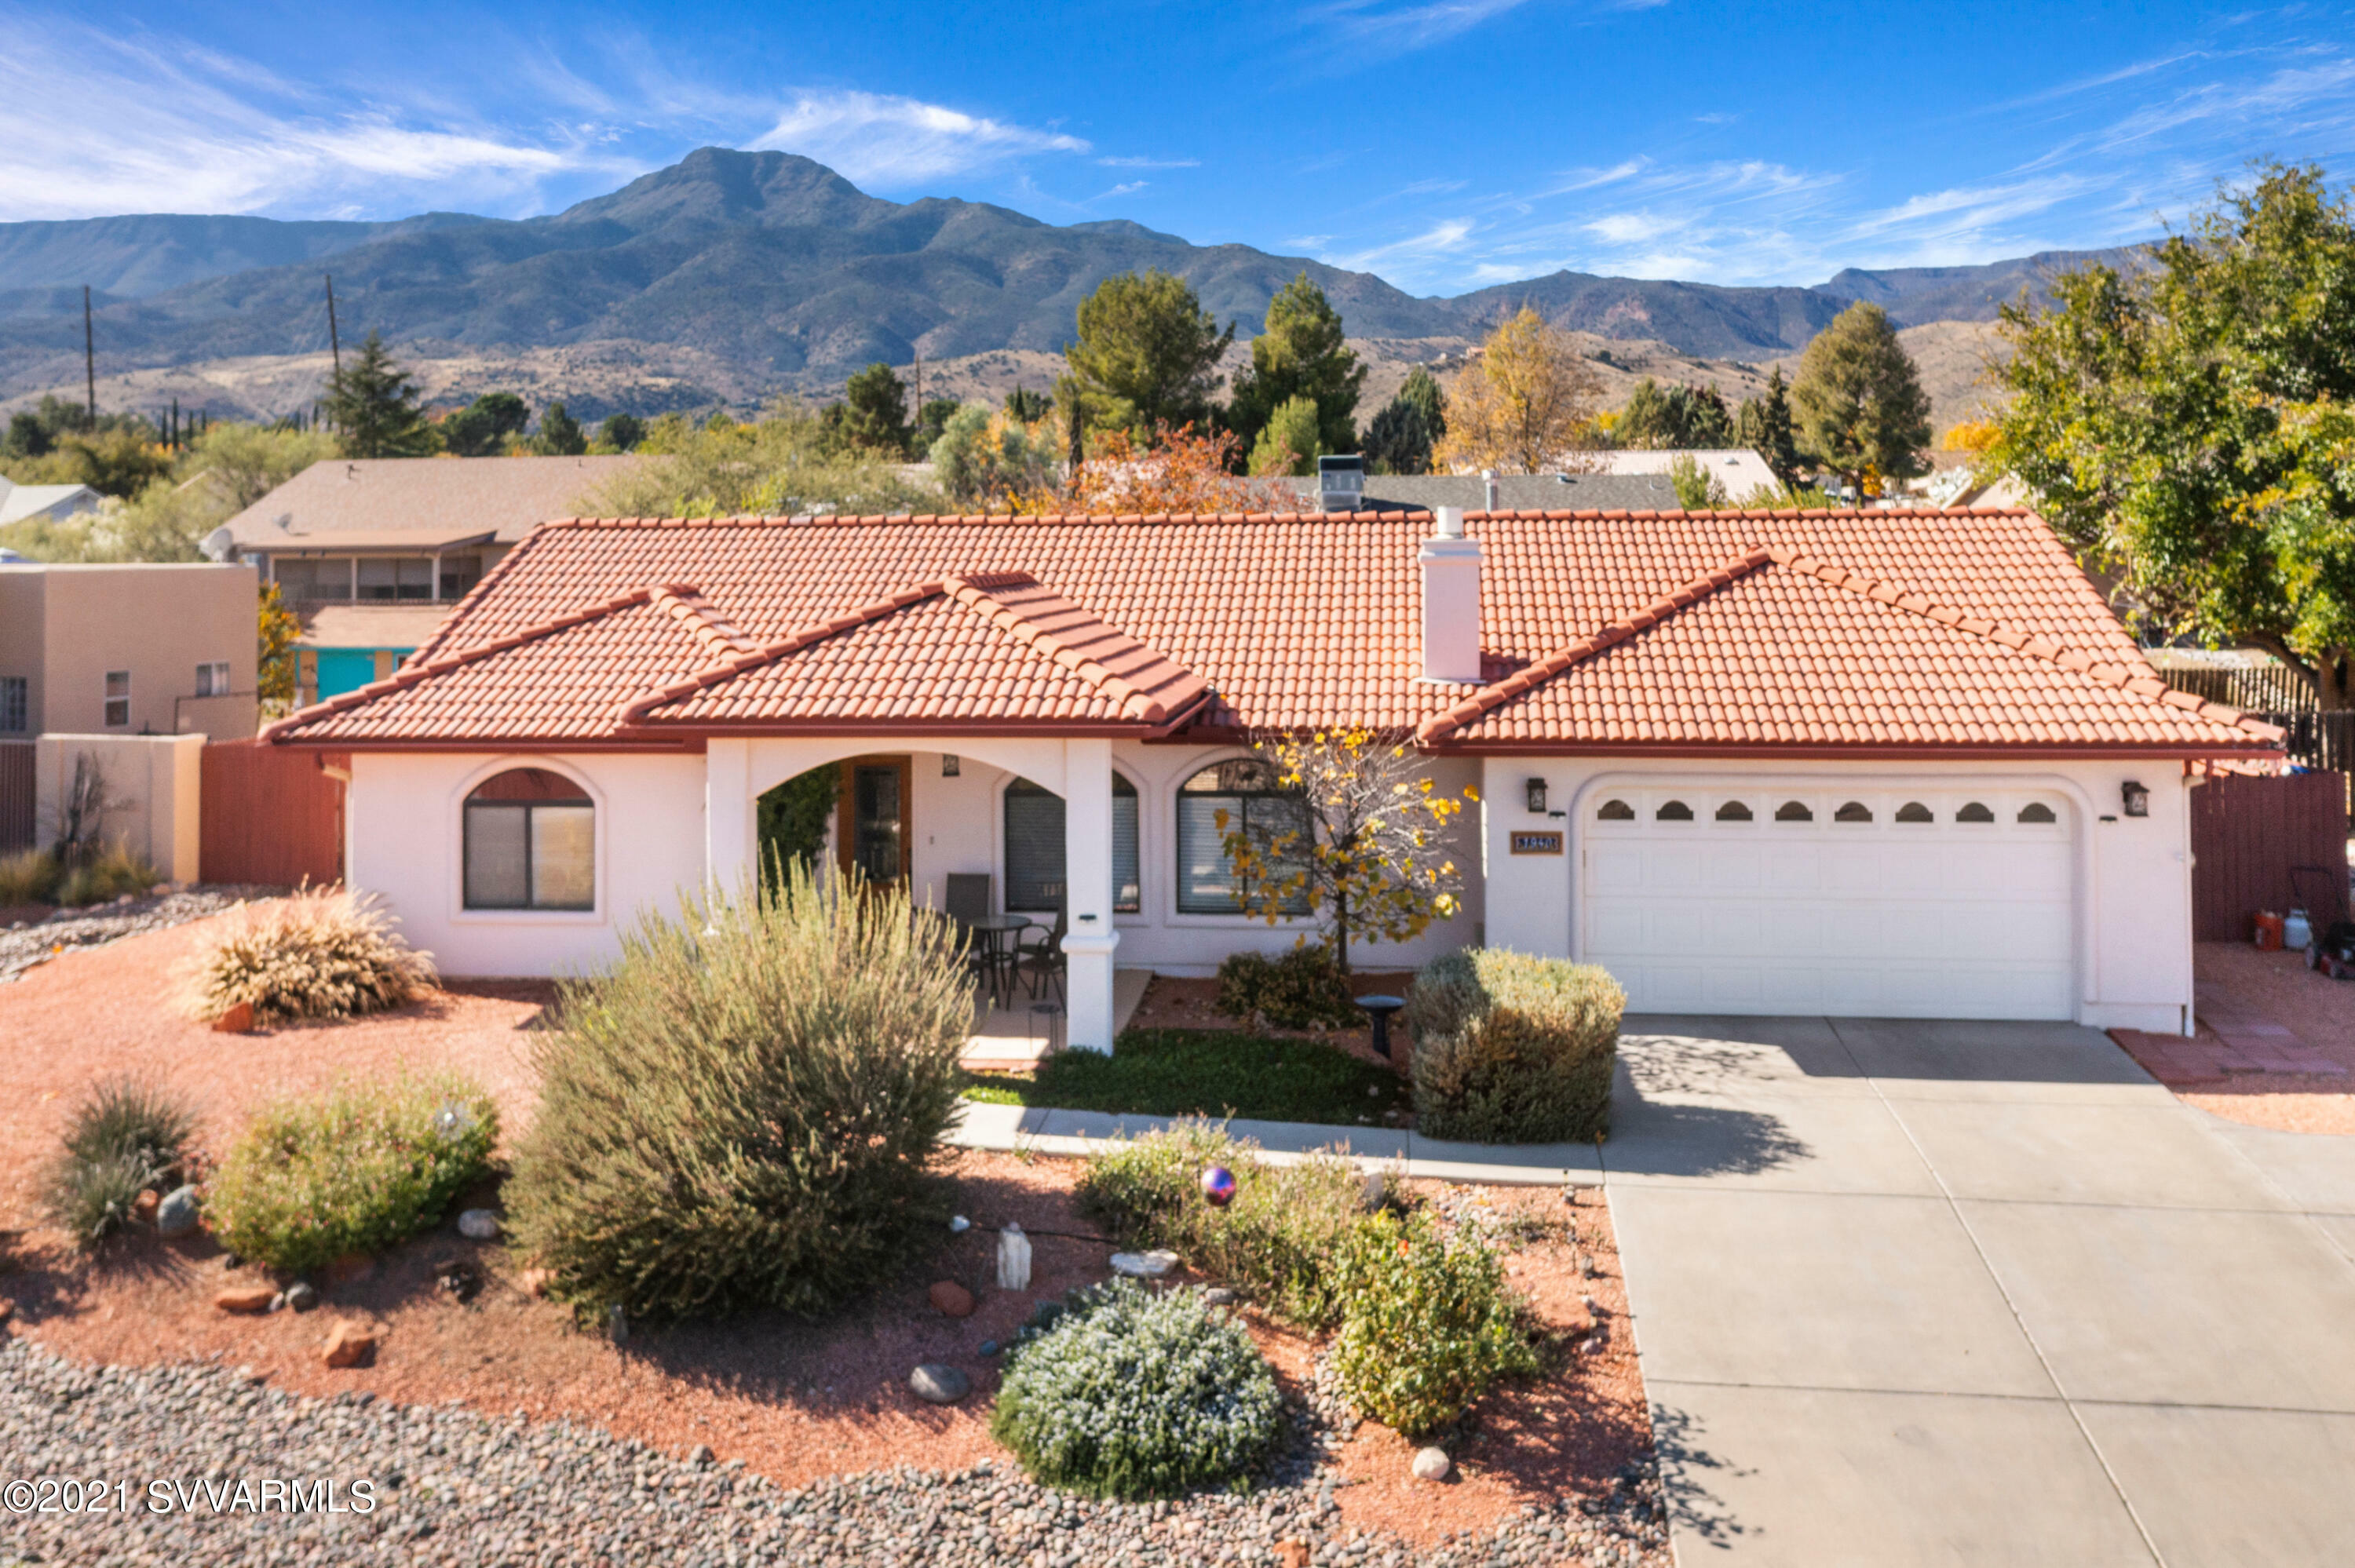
968 901
1043 960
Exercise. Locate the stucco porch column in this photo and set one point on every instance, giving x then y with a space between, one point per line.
1087 870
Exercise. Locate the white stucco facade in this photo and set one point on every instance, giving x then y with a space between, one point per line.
2127 948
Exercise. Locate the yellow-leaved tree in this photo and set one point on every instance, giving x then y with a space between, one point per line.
1527 405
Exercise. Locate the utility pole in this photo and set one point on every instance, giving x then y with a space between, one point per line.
88 358
334 345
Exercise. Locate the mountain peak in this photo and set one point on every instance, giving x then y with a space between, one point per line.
726 186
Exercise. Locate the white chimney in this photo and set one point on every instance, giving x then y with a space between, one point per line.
1450 602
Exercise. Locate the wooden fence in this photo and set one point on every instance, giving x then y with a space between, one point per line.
2260 688
17 826
2250 834
270 815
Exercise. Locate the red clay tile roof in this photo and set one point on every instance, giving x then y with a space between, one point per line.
1292 622
994 650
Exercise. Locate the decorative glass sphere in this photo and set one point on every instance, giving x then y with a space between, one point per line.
1218 1185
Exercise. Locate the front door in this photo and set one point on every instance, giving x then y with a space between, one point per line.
876 830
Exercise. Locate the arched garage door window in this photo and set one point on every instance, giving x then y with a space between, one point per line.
1034 848
531 842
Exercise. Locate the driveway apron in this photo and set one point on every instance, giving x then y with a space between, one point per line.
1931 1292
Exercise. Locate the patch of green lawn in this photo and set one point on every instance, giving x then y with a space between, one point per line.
1206 1071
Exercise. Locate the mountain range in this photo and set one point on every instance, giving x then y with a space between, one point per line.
771 271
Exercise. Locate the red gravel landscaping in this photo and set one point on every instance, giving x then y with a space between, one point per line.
794 1398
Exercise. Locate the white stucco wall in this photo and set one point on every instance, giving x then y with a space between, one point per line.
2133 951
402 827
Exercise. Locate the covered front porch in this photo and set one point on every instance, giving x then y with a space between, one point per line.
1013 1035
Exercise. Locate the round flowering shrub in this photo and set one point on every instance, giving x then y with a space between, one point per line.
1135 1393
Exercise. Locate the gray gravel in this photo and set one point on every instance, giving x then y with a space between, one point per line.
450 1487
27 944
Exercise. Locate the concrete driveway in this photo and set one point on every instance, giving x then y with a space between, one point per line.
1978 1293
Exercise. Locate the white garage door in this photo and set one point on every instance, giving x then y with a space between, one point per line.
1894 904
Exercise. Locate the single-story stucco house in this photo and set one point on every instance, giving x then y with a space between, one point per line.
1874 763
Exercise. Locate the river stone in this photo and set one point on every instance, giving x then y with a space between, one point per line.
479 1224
1432 1465
176 1216
1143 1265
937 1385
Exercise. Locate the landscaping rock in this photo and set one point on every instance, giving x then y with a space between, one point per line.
937 1385
535 1281
175 1213
989 1347
1143 1265
479 1224
246 1298
238 1019
959 1224
1218 1295
143 1207
300 1296
1432 1463
1293 1555
348 1345
699 1456
951 1299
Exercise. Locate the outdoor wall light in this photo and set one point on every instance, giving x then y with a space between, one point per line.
2138 799
948 766
1535 788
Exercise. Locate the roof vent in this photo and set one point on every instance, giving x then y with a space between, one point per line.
1340 483
1489 489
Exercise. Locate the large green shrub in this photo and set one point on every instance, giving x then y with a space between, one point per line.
1513 1049
125 1137
1428 1327
1137 1393
1302 988
355 1170
746 1110
1276 1239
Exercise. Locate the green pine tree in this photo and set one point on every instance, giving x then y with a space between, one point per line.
1764 427
875 411
1147 355
372 405
1860 401
1302 354
560 434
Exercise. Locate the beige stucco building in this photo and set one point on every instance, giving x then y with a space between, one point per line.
128 650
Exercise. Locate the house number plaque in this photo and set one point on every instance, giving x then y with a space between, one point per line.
1537 843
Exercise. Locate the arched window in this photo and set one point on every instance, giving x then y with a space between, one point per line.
1793 811
1244 789
1854 811
1974 812
1616 811
531 842
1914 811
1673 812
1733 812
1034 848
2037 811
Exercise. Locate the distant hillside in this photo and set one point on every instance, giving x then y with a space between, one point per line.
731 275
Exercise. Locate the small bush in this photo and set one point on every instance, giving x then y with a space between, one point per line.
1429 1325
356 1170
124 1138
1513 1049
1303 989
1136 1393
1206 1071
320 953
108 874
1276 1239
745 1111
29 876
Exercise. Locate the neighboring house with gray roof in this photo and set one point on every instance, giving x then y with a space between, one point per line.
1515 492
370 553
48 502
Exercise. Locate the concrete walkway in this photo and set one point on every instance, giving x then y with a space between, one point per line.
1962 1293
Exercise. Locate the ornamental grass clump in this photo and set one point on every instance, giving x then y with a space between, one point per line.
1513 1049
1428 1325
1136 1394
1276 1239
320 952
125 1138
747 1110
355 1170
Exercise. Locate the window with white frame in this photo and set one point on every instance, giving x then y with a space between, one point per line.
531 842
212 678
16 705
1238 795
1034 848
118 699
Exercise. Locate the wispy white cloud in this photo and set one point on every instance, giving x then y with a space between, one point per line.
1149 163
94 121
887 141
1127 187
1395 28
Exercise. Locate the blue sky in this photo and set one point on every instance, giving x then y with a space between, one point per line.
1443 143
